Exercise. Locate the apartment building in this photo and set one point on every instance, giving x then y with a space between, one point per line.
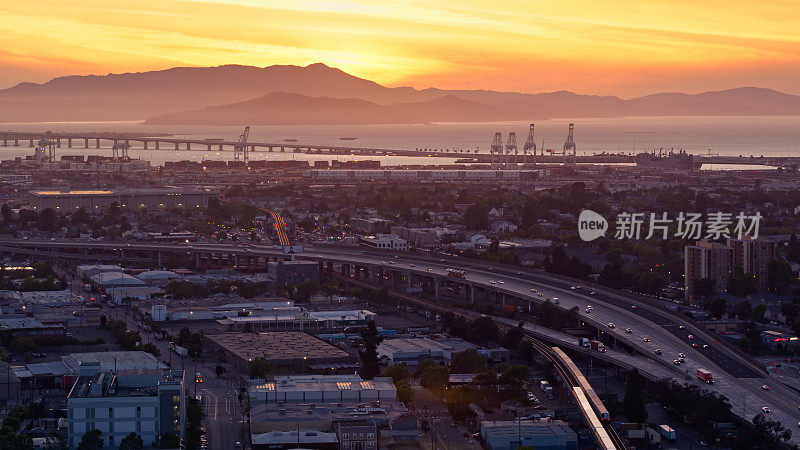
148 402
717 261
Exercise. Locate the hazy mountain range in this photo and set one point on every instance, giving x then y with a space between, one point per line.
318 94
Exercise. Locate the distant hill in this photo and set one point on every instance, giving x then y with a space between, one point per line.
281 108
326 95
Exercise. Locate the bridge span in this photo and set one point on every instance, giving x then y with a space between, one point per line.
156 142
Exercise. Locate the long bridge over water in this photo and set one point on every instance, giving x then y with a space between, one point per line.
144 141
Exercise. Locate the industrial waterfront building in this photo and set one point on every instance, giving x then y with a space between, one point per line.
135 199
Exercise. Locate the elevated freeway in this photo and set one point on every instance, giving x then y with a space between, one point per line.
736 376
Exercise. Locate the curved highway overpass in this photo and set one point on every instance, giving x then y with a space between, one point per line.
736 376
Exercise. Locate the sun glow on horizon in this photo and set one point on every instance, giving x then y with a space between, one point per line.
613 47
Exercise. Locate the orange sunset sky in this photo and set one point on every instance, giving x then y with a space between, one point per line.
624 48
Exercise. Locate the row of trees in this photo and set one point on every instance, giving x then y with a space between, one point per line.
127 339
180 289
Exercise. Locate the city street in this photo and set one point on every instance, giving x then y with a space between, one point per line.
428 407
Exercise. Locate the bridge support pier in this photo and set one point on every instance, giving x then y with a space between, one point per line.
144 143
86 143
158 145
436 288
176 146
160 260
69 142
208 148
188 146
97 143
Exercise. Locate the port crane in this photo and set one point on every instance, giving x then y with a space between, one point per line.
511 144
569 144
45 150
530 144
120 149
240 149
497 145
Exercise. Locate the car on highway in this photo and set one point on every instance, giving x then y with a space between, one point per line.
681 327
441 260
533 290
413 265
430 270
676 362
691 336
646 339
593 293
589 307
765 387
500 282
657 351
694 345
198 378
766 409
628 330
705 347
633 306
587 310
539 294
611 325
682 355
492 282
555 300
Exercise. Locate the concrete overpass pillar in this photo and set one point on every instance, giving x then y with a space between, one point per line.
471 294
176 146
144 143
30 143
69 142
158 145
97 143
86 143
329 264
197 261
436 288
160 262
208 148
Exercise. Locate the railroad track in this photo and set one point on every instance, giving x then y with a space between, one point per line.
611 439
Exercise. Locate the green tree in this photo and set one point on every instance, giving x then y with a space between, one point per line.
633 403
457 400
169 440
6 212
404 392
370 367
260 367
743 310
48 220
779 276
742 284
513 337
759 312
91 440
397 372
435 378
718 307
467 361
131 442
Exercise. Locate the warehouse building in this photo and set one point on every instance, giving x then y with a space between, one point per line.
289 351
509 435
413 350
148 198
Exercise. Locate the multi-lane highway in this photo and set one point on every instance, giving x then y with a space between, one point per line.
736 376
